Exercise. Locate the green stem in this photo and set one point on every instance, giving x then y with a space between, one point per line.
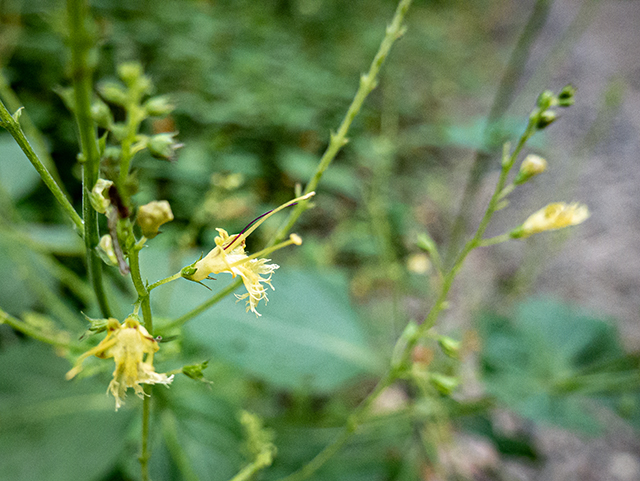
368 82
81 43
503 98
59 340
164 281
352 424
405 346
143 300
145 453
13 127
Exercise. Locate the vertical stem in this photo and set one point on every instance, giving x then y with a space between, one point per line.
81 72
368 82
143 299
503 98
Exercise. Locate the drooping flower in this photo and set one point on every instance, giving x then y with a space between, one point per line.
554 216
127 344
229 256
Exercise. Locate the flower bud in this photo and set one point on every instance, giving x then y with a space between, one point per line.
129 72
445 384
566 96
152 215
163 146
106 251
449 346
195 371
99 196
552 217
158 106
545 100
113 92
531 166
545 119
101 114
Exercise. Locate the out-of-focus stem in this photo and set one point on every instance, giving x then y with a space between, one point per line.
368 82
81 72
503 98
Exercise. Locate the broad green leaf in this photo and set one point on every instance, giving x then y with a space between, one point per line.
51 428
548 361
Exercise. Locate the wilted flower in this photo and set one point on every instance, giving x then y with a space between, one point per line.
99 195
229 256
554 216
127 344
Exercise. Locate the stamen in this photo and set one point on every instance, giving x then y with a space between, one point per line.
255 223
293 239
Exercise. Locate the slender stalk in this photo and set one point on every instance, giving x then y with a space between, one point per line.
368 82
57 340
143 299
405 346
13 127
145 453
164 281
81 43
502 100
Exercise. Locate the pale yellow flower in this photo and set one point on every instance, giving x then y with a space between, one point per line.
127 344
554 216
229 256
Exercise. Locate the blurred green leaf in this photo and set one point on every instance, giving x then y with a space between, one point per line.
51 428
549 360
17 175
308 337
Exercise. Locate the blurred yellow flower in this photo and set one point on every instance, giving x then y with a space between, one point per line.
229 256
127 344
554 216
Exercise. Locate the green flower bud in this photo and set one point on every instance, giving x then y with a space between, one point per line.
163 146
445 384
545 119
531 166
195 371
566 96
99 195
130 72
545 100
449 346
101 114
158 106
113 92
152 215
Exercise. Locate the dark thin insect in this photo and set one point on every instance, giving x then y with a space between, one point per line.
250 224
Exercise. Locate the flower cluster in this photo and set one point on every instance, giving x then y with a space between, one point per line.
127 344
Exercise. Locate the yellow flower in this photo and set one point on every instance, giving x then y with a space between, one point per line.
229 256
127 344
554 216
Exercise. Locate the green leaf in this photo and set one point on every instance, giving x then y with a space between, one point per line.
51 428
548 361
308 337
17 175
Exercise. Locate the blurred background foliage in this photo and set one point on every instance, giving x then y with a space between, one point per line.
257 88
